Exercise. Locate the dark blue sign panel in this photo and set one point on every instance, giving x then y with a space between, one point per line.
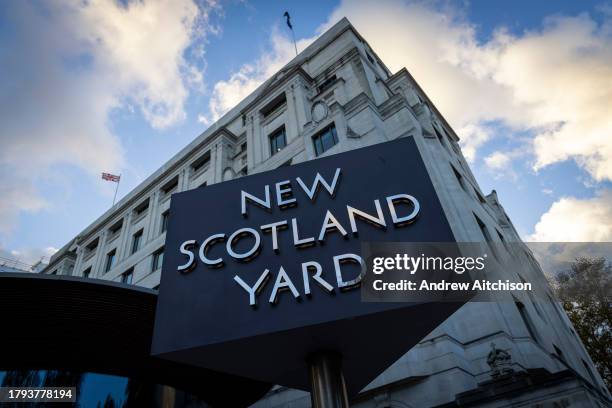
262 271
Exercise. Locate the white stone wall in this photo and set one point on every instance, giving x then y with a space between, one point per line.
368 105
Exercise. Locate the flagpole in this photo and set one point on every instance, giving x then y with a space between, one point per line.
116 189
294 43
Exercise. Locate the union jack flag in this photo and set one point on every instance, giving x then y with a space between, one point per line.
111 177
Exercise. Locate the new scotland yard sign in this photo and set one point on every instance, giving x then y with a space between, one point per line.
262 271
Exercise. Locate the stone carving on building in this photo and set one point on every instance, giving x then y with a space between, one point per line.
319 111
500 362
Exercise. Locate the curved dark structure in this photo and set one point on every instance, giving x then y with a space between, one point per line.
87 325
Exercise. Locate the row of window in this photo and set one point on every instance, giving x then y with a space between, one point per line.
127 276
136 242
167 189
156 263
444 142
524 314
322 141
531 329
137 236
139 211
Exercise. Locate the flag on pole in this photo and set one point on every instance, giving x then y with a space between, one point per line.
288 17
115 179
111 177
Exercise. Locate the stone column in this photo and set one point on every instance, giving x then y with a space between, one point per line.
79 260
219 149
100 256
214 164
293 127
152 215
183 181
250 138
125 233
257 140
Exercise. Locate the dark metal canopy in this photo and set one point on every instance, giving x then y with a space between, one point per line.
68 323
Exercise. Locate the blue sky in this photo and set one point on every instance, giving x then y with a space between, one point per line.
97 87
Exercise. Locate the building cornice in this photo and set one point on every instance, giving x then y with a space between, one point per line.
405 72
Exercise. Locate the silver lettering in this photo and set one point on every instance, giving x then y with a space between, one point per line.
283 282
254 291
320 181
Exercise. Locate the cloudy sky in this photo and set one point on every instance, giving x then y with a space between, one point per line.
120 86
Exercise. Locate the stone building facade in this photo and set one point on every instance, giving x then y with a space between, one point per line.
335 96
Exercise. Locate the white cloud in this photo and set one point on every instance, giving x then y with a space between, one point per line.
67 66
554 81
203 119
498 160
576 220
472 137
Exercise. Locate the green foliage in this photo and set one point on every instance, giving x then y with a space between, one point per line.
584 292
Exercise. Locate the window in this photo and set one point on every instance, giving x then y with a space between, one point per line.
200 162
158 259
485 233
275 105
170 186
127 276
559 353
502 239
533 300
440 138
370 58
325 85
87 272
455 146
91 247
480 197
110 260
136 240
243 147
115 228
483 229
164 222
142 207
325 140
278 140
459 178
526 319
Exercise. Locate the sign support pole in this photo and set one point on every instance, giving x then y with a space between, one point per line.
327 381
